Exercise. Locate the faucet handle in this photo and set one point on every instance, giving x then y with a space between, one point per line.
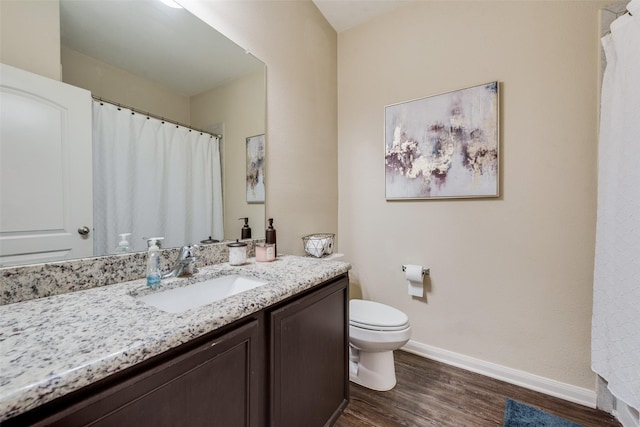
187 259
188 251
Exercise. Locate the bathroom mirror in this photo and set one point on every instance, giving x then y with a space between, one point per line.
165 61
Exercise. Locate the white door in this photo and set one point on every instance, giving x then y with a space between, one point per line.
45 169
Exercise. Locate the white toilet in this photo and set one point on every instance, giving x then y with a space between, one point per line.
375 330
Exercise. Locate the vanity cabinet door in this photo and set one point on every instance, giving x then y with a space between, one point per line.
216 384
309 357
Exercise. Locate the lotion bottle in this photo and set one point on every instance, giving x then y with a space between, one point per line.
270 236
154 273
246 230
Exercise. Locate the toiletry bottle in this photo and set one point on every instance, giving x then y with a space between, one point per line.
246 230
158 241
237 252
123 245
153 264
270 235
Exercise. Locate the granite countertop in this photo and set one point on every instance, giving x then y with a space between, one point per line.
55 345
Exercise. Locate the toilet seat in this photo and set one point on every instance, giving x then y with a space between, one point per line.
374 316
378 328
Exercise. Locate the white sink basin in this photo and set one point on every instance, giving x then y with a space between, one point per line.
179 300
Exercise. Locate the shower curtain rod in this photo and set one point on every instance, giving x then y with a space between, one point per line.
145 113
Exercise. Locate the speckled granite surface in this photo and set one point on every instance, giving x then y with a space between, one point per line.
52 346
27 282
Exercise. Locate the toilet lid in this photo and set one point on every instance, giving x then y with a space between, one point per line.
375 316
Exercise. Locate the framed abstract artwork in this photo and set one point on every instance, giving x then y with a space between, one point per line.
255 169
444 146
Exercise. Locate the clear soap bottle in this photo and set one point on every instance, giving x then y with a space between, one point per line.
123 245
154 274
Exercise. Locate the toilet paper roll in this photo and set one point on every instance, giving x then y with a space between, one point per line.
413 274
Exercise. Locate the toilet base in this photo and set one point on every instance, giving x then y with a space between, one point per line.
376 371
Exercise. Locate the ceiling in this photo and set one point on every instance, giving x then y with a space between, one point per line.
345 14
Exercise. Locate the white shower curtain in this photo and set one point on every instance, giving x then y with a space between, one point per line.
616 305
153 179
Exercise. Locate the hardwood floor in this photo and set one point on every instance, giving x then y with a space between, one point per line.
430 393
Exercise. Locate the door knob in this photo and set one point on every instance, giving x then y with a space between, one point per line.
83 230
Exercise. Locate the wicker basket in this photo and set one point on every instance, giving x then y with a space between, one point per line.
318 244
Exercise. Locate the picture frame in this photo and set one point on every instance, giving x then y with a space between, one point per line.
444 146
255 169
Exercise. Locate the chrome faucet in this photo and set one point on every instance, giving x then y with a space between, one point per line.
185 265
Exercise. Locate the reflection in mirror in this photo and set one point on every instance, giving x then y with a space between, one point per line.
165 61
152 178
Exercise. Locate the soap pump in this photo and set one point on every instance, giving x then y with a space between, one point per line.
270 235
246 230
123 245
154 274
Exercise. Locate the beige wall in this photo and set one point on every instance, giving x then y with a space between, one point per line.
299 49
112 83
511 278
239 106
30 36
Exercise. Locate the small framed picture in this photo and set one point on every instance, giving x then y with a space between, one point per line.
255 169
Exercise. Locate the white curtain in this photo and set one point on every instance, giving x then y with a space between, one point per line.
153 179
616 305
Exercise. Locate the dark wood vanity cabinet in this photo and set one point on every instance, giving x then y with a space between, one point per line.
309 358
283 366
216 382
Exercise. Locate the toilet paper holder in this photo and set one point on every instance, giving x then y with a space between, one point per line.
425 271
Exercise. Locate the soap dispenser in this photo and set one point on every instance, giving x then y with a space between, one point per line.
270 235
154 274
123 245
246 230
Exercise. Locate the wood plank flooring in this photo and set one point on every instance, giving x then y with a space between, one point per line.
430 393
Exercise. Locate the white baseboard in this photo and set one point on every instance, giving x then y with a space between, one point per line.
524 379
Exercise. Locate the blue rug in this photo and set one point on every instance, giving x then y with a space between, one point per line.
518 414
